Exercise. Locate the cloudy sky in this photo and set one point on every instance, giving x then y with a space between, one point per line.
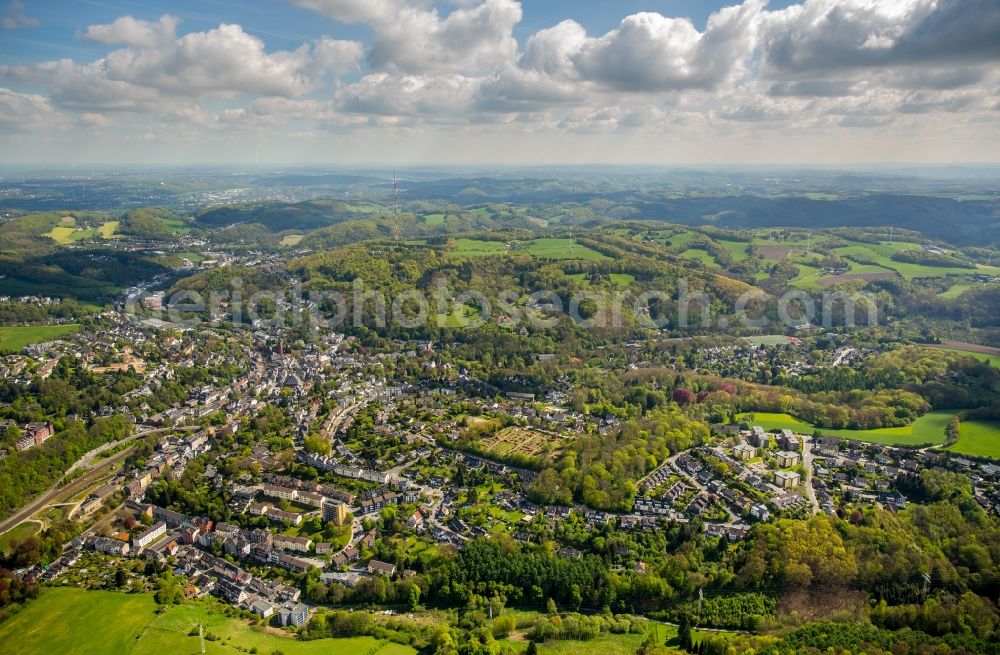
499 81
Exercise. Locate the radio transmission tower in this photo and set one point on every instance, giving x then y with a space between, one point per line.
395 195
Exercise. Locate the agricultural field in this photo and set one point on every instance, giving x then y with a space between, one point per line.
13 339
679 239
290 240
881 254
621 279
978 438
77 622
738 249
477 248
701 256
67 231
928 429
434 219
545 248
552 248
771 340
72 621
520 441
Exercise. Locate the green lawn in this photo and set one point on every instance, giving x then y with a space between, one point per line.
681 239
769 340
738 249
551 248
621 279
108 229
699 255
615 644
881 254
13 339
67 232
981 438
957 289
928 429
477 248
195 257
72 621
19 532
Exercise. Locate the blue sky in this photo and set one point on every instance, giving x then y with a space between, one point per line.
500 81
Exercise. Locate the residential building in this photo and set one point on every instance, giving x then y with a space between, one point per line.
149 535
335 511
376 567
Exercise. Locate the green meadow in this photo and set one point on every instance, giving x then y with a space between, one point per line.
72 621
546 248
476 248
927 429
978 438
13 339
552 248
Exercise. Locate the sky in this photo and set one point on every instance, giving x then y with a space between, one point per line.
419 82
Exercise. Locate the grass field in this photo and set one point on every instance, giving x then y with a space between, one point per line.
928 429
434 219
72 621
195 257
770 340
66 232
980 438
881 254
738 249
621 279
698 255
613 644
547 248
681 239
13 339
290 240
19 532
477 248
77 622
957 289
561 249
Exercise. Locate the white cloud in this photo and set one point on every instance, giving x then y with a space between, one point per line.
821 37
25 109
127 30
356 11
815 67
14 17
159 72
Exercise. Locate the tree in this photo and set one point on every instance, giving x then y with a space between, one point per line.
682 396
684 641
316 444
532 649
